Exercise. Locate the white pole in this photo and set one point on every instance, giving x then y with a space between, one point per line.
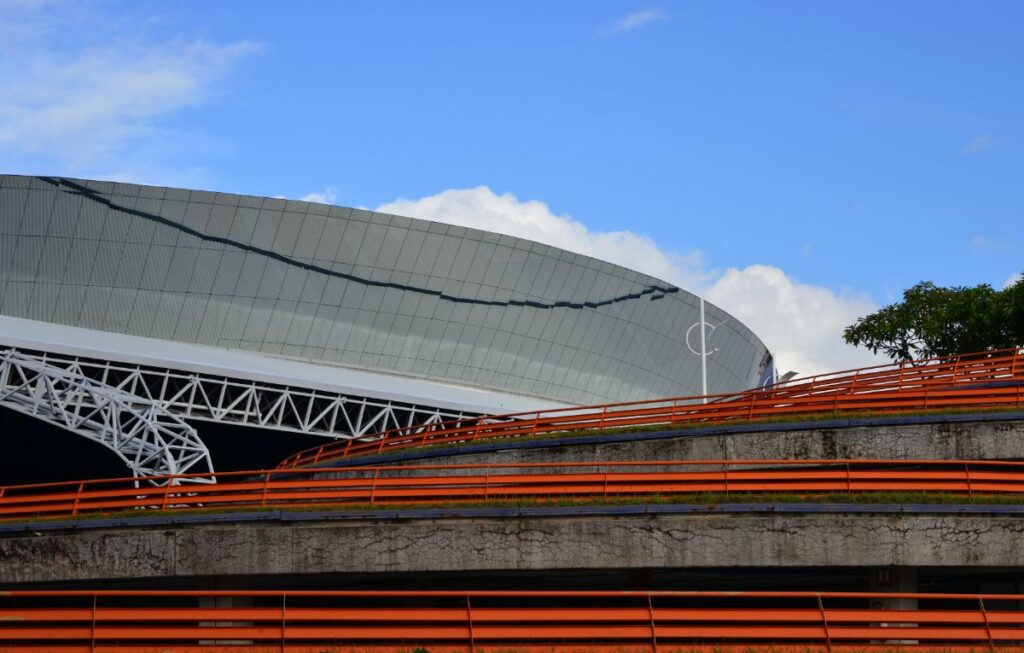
703 356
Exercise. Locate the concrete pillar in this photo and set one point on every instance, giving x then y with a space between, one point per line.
225 602
897 580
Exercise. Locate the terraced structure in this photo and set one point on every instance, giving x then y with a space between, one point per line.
888 516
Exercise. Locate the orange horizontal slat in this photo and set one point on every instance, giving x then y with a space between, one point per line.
785 476
966 380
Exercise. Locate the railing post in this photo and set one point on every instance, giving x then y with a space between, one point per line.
469 622
967 473
348 445
167 494
824 624
78 496
849 479
725 476
988 625
600 423
1013 374
654 631
266 482
284 620
373 484
92 636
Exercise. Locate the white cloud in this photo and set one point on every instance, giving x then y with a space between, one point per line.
1012 279
801 323
634 21
87 105
978 144
981 245
480 208
327 196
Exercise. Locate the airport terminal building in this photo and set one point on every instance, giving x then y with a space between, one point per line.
174 313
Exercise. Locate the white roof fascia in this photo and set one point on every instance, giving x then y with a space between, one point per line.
255 366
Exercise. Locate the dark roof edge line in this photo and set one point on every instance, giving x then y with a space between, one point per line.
96 196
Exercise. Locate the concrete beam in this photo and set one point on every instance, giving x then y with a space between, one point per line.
495 544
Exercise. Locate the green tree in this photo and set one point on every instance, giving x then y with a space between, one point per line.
934 322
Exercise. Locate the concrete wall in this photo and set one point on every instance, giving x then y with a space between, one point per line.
994 440
640 541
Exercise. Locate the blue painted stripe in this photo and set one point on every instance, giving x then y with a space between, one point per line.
285 516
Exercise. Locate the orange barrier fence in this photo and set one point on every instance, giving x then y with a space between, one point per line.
977 381
502 620
434 484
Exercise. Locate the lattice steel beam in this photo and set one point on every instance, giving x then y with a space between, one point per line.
214 398
150 439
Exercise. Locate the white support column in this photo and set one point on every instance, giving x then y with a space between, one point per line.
703 355
702 351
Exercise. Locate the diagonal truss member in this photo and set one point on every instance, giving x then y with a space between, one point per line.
149 438
249 402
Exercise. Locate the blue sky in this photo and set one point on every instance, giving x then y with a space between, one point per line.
800 163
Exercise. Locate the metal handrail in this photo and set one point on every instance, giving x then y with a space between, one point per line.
981 380
531 620
582 481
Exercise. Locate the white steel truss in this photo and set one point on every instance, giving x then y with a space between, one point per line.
214 398
151 440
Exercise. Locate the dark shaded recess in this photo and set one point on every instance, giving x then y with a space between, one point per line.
797 579
234 447
88 193
845 579
39 452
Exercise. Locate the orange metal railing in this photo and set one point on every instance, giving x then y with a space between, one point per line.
976 381
434 484
502 620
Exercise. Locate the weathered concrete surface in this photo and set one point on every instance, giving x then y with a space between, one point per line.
997 440
642 541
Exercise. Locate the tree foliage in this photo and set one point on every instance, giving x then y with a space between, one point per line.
934 322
